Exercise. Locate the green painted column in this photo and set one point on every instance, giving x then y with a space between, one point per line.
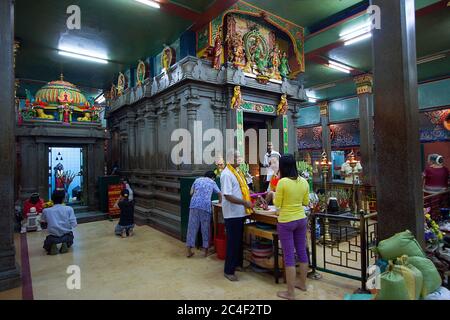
240 131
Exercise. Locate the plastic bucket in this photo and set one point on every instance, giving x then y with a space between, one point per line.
221 247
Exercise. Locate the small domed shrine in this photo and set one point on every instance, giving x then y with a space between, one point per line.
60 101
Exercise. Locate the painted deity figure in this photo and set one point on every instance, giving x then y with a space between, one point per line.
59 177
113 92
120 84
140 74
275 61
236 100
66 114
217 51
285 70
259 58
238 50
283 105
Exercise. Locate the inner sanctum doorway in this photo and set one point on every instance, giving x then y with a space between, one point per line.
257 129
66 172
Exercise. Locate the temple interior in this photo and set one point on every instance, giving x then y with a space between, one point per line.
134 100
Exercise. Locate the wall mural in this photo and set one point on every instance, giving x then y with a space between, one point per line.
434 126
345 134
309 138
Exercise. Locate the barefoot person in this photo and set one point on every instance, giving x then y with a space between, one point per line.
291 195
60 222
126 220
236 205
200 211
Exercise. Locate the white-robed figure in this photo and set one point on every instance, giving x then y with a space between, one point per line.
267 163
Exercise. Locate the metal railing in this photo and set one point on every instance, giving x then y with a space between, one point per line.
345 243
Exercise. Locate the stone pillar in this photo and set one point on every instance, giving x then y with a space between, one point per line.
293 143
131 130
365 99
42 174
28 154
326 139
192 107
140 140
9 271
399 185
150 134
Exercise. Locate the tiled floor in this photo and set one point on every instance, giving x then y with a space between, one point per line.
150 265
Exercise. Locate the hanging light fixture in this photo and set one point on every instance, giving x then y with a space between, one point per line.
56 159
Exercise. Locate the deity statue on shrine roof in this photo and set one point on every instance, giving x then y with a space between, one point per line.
285 69
217 51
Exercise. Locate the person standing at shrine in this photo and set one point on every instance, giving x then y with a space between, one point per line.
292 194
200 211
236 204
267 163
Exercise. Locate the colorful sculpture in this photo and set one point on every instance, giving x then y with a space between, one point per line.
113 92
275 62
140 73
167 58
87 117
217 51
285 70
236 100
120 84
283 105
58 101
238 55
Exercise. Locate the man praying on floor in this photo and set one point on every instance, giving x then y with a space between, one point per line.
60 222
236 205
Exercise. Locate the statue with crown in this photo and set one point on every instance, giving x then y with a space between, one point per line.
62 102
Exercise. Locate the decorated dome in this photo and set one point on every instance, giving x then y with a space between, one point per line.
60 91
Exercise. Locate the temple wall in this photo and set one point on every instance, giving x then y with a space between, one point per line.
142 121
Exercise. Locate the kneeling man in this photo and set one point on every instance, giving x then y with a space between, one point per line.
60 222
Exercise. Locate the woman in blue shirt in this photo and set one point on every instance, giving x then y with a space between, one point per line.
200 211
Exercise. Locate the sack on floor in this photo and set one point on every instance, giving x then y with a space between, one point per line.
440 294
413 277
431 278
392 285
400 244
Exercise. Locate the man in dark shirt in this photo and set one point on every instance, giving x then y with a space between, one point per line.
126 220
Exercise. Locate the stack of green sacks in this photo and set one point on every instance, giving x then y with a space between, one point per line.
413 276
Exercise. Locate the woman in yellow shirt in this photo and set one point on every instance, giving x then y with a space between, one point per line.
291 195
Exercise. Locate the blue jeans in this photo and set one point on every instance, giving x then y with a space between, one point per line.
119 229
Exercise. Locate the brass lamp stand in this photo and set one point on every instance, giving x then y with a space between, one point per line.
352 162
324 165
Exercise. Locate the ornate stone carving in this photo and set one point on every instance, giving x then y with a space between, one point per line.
239 77
323 105
199 71
363 83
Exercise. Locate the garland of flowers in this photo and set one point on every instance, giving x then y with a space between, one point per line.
432 233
